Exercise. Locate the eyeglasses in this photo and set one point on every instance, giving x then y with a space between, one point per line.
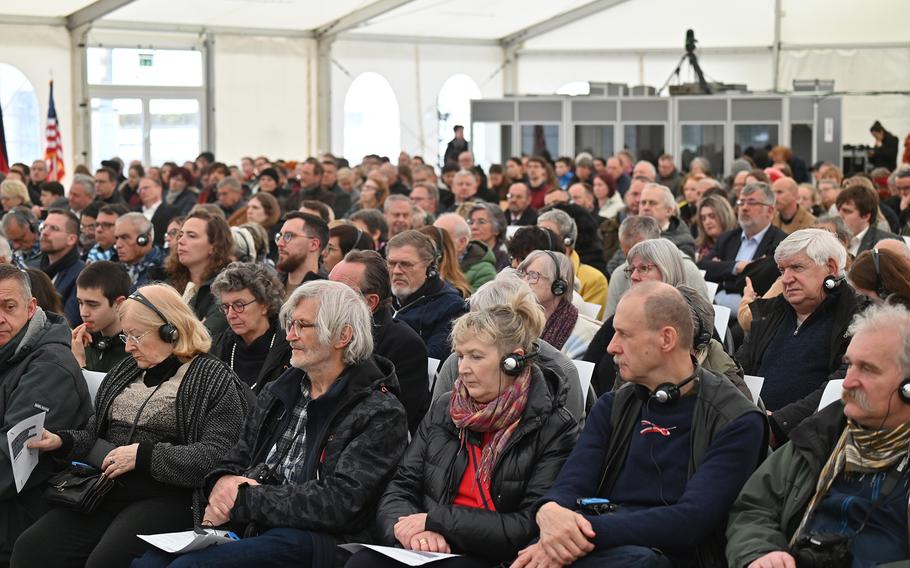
472 222
88 227
750 203
403 264
173 233
127 338
237 306
104 226
288 237
643 269
298 326
529 276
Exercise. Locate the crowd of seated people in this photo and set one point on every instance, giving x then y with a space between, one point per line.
523 365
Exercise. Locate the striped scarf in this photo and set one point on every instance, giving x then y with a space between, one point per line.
859 450
499 416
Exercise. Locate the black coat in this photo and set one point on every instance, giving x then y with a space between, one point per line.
718 263
160 220
527 218
276 362
432 468
430 311
872 237
397 342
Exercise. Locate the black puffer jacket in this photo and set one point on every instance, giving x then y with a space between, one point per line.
429 475
356 434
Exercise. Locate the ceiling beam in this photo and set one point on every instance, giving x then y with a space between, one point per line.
358 18
559 21
602 52
198 29
418 39
94 11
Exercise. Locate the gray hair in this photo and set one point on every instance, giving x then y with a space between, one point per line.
339 307
87 182
891 317
5 250
500 291
432 190
462 229
639 227
566 270
12 272
844 234
648 165
465 173
702 314
564 222
703 162
669 200
902 171
395 198
230 183
497 217
140 223
759 186
665 255
257 278
818 244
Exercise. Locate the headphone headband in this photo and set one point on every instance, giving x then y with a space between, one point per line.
559 286
168 331
880 288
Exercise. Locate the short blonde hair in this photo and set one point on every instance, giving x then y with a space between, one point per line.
193 337
15 188
507 326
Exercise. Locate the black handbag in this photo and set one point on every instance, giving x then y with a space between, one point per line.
81 487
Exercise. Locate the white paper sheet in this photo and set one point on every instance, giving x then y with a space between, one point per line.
408 557
23 459
186 541
832 392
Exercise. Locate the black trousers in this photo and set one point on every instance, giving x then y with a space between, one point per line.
370 559
106 538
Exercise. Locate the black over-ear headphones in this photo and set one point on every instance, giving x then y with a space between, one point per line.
25 216
702 335
167 332
568 241
880 288
831 282
143 239
100 342
559 286
668 393
433 267
514 363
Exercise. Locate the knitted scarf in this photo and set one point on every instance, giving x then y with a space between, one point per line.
560 325
499 416
859 451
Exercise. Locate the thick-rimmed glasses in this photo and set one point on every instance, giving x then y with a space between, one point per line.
288 237
751 203
643 269
529 276
134 339
237 306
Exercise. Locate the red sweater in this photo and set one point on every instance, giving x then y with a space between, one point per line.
470 492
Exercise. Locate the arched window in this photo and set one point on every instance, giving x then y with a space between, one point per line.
453 106
371 123
21 120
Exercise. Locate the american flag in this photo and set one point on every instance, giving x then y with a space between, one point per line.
53 154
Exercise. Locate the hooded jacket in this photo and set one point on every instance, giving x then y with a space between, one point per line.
431 471
430 312
37 371
356 434
478 264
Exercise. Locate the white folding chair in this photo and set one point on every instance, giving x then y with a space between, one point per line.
585 372
754 383
589 309
432 368
712 289
833 391
721 320
93 380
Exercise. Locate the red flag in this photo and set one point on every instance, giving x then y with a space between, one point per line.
53 154
4 156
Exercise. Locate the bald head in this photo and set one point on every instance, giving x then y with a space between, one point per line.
664 307
786 196
894 245
457 228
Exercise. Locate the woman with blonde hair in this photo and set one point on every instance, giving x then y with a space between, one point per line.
164 417
13 193
449 269
373 193
485 453
713 217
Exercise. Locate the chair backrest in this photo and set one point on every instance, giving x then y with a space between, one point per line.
754 383
585 372
712 289
93 380
432 372
721 320
589 309
833 391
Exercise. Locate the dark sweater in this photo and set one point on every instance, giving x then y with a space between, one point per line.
694 507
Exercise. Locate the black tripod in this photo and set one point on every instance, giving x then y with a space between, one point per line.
693 62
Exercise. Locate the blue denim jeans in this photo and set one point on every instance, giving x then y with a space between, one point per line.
625 556
276 547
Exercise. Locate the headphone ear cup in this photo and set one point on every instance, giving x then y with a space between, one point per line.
512 364
432 270
567 241
559 287
903 391
168 333
142 240
666 393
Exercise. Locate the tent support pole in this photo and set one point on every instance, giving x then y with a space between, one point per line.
323 95
775 73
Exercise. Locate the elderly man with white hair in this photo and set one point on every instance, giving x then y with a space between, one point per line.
319 446
657 201
799 338
838 488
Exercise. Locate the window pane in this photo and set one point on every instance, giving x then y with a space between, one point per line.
175 126
163 67
706 141
20 116
596 140
747 138
116 130
801 141
371 119
646 141
540 140
453 107
492 143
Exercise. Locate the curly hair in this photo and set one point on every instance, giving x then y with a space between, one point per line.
219 235
257 278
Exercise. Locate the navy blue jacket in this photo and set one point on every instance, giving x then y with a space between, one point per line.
63 274
430 312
